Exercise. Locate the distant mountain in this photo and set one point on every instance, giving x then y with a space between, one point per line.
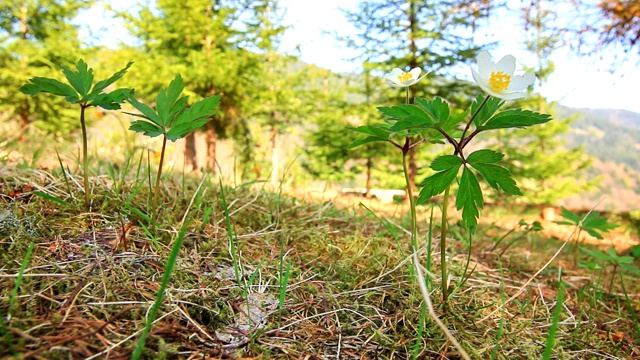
612 137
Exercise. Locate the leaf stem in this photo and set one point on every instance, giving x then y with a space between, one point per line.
412 204
157 187
443 248
473 117
85 162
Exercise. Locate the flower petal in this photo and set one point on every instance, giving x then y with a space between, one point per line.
485 65
415 72
521 82
507 65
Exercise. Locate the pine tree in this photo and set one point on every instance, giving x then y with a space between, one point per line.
539 161
216 47
37 37
433 35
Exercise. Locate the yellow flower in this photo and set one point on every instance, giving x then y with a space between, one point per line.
497 79
399 78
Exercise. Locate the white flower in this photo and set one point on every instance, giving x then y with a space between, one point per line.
399 78
497 79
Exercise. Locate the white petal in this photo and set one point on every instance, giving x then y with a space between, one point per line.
415 72
521 82
485 65
507 65
480 79
510 96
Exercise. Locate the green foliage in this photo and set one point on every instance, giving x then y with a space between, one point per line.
611 257
594 224
37 37
172 118
80 88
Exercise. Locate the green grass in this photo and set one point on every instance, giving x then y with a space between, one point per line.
303 278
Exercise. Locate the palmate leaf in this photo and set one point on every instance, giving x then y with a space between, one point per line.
38 85
102 84
593 224
147 112
147 128
81 79
193 118
374 133
167 104
490 107
110 101
399 112
515 118
469 199
447 167
498 177
437 109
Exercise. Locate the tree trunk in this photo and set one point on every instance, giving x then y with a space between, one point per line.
211 139
190 155
275 176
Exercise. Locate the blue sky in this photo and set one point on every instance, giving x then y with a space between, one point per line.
577 82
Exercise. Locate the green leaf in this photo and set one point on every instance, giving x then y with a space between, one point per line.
81 79
50 197
445 162
469 199
399 112
590 266
490 107
102 84
413 122
574 219
485 156
593 223
193 118
145 109
497 176
437 108
166 99
110 101
515 118
147 128
448 166
366 140
52 86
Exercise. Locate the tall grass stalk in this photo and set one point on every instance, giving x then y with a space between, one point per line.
284 275
168 269
416 264
555 320
232 242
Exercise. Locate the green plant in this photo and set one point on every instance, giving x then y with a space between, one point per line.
82 91
409 125
434 121
610 257
594 224
172 119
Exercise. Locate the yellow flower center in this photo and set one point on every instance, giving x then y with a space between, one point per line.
499 81
405 76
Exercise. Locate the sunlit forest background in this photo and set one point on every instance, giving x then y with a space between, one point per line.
284 121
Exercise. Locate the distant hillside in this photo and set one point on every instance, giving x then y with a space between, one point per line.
612 136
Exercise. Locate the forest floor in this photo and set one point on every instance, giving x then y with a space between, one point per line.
289 278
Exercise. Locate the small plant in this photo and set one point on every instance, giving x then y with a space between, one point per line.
82 91
594 224
434 121
172 119
610 257
522 224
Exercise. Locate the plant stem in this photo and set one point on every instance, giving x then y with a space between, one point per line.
85 162
443 249
154 217
412 204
